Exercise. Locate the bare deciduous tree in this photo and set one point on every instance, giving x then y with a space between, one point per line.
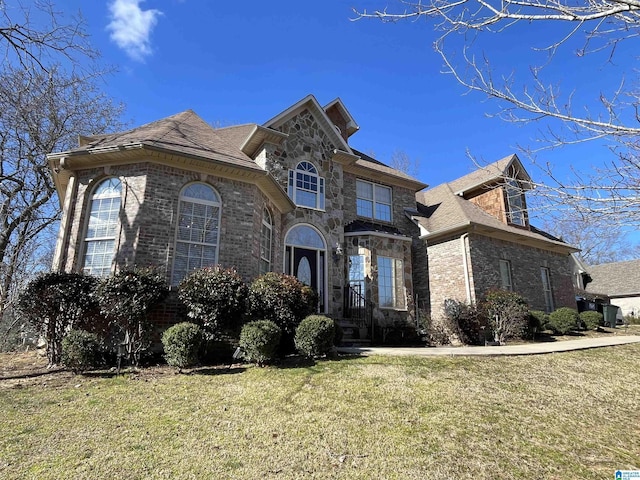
594 29
50 92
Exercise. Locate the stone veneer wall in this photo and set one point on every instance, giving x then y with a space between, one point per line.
526 262
307 141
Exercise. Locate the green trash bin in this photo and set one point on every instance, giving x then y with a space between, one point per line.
610 312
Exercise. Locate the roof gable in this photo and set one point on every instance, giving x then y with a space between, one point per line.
309 102
507 167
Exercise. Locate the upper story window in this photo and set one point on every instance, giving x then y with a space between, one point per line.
306 187
102 229
373 201
265 242
198 230
515 200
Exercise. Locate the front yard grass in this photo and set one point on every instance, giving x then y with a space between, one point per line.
569 415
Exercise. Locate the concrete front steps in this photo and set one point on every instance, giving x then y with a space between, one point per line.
353 335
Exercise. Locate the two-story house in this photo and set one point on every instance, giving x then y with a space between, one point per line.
292 196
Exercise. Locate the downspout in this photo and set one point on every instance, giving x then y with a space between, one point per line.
464 238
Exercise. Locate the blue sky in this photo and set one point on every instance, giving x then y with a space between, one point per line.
240 62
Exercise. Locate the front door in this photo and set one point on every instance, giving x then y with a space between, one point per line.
305 266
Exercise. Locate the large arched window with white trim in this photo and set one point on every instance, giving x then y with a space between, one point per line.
102 228
198 230
266 242
306 187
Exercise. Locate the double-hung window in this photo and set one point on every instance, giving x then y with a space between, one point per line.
546 289
373 201
306 187
506 283
102 228
198 234
515 200
265 242
391 291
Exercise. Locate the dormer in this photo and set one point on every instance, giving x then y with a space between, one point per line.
342 120
498 189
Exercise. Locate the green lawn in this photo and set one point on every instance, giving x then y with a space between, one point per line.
560 416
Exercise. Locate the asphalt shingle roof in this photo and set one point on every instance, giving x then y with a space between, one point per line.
618 278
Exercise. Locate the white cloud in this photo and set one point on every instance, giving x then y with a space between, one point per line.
131 27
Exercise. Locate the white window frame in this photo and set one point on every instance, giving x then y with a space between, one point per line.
301 180
111 228
391 287
375 200
516 214
545 274
266 242
505 271
178 275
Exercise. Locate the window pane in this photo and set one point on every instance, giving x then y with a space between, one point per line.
385 282
102 227
364 208
383 212
505 274
364 190
383 194
304 236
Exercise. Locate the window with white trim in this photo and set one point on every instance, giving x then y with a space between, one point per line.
265 242
373 201
545 273
391 291
515 201
306 187
506 283
198 230
102 228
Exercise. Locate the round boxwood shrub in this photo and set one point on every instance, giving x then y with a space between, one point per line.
182 344
81 351
563 320
591 320
315 335
259 341
539 320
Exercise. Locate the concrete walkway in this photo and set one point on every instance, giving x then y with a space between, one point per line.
522 349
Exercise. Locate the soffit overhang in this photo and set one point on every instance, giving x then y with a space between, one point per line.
367 173
63 164
258 137
508 236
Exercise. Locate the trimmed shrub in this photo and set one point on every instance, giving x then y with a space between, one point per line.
539 320
466 321
259 341
126 299
563 320
182 344
54 303
507 313
315 335
81 351
283 299
215 297
591 319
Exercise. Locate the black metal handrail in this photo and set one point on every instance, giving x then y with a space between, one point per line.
357 308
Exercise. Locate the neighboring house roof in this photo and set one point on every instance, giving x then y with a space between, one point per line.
440 211
617 279
491 174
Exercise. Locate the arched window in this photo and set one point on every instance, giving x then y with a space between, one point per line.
265 242
306 187
198 234
102 229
